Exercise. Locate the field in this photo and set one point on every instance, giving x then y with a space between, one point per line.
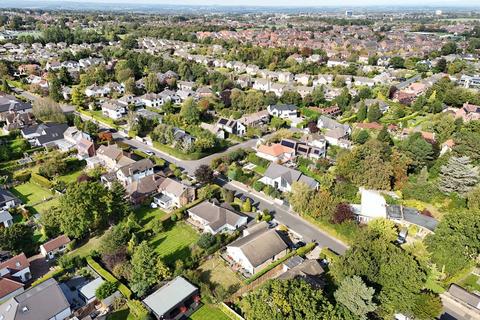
208 312
30 193
215 271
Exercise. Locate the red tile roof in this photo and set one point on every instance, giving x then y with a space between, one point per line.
15 264
8 286
56 243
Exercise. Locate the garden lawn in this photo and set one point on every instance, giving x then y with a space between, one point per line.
173 244
70 177
146 214
123 314
86 249
209 312
41 207
216 271
30 193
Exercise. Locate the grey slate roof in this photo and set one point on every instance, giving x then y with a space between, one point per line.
169 296
137 166
284 107
41 302
6 196
5 216
217 216
465 296
290 175
260 246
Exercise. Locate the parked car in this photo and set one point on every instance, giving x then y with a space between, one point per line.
402 236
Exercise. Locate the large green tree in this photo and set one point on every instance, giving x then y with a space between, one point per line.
17 239
354 294
458 175
144 269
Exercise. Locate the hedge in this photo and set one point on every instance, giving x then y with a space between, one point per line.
49 275
40 180
109 277
138 310
301 252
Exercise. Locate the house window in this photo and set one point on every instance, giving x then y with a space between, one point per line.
283 183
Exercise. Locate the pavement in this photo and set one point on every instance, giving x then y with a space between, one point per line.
283 215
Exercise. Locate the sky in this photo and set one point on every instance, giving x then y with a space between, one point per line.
296 3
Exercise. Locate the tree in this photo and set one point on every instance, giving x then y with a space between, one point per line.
118 205
427 306
397 62
277 123
105 290
361 137
189 112
78 97
362 112
381 264
343 212
55 165
130 87
458 175
91 128
374 114
354 294
384 136
382 228
17 238
441 65
467 141
204 174
54 88
318 95
300 196
83 208
420 151
114 239
129 42
287 299
455 242
5 86
151 83
247 206
449 48
206 240
473 199
144 271
322 205
46 109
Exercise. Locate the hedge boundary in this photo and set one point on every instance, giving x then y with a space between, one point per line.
109 277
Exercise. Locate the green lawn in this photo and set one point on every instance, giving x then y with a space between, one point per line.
30 193
123 314
209 312
39 208
145 215
70 177
174 243
215 271
471 283
85 249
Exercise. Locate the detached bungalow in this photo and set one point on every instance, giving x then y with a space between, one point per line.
113 109
257 248
51 248
7 200
214 218
276 153
282 178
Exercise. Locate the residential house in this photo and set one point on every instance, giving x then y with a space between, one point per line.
44 134
6 219
130 99
7 199
17 267
204 92
309 270
43 301
232 126
152 100
169 95
304 91
302 78
255 119
140 190
215 218
278 88
17 121
176 299
468 112
10 104
55 246
113 109
472 82
97 91
112 157
336 133
173 194
9 288
285 111
252 69
322 79
213 128
276 153
282 178
186 85
285 77
257 249
135 171
261 84
373 206
464 297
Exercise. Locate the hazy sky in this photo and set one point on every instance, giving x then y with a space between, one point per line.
296 3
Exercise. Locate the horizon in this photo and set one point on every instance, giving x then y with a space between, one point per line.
253 3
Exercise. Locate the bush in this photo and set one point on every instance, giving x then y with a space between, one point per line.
22 176
105 290
138 310
206 240
109 277
157 226
258 186
68 262
42 181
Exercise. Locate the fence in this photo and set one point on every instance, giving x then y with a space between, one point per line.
259 281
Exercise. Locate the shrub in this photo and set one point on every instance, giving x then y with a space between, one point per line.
105 290
138 310
68 262
22 176
42 181
258 186
109 277
206 240
157 226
